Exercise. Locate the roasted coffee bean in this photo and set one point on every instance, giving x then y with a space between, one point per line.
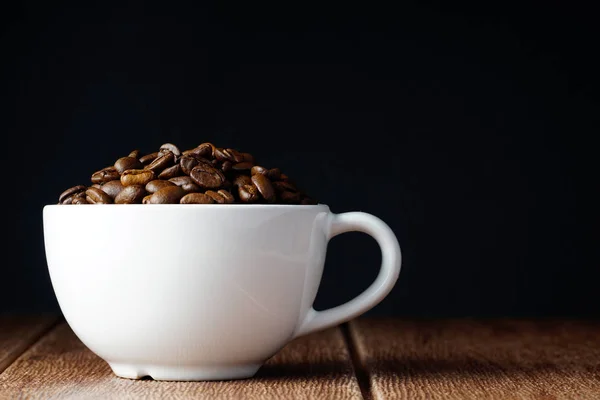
136 177
227 196
283 177
170 172
196 198
105 175
157 184
146 199
112 188
135 154
167 195
131 195
248 194
245 165
169 147
257 169
282 186
204 150
186 183
226 166
242 180
289 197
147 159
217 198
224 154
264 186
70 192
79 200
125 163
187 163
207 177
248 157
161 162
237 156
99 186
274 174
97 196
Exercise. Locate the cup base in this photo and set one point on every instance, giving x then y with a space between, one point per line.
170 373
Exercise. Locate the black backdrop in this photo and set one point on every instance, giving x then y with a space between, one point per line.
468 130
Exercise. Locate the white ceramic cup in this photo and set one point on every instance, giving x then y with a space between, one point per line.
200 292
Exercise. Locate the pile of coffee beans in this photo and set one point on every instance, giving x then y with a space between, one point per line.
202 175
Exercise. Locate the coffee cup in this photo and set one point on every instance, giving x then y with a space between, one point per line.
197 291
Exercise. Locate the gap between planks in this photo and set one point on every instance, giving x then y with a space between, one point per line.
360 373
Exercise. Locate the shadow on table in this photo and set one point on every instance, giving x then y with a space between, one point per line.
323 370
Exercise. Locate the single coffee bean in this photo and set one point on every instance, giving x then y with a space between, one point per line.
196 198
112 188
289 197
264 186
169 147
248 157
105 175
242 180
244 165
79 200
257 169
146 199
207 177
136 177
226 166
204 150
248 194
161 162
223 154
147 159
217 198
227 196
274 174
99 186
282 186
237 156
132 194
71 191
180 180
187 163
167 195
125 163
284 177
170 172
97 196
157 184
135 154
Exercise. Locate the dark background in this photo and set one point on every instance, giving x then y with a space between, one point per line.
469 130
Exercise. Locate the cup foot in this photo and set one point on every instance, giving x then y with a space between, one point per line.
169 373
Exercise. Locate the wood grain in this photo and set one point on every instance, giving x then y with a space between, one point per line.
465 359
59 366
18 332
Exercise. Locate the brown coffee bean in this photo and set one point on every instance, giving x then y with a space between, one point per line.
135 154
170 172
242 180
257 169
165 148
70 192
274 174
223 154
217 198
227 196
112 188
161 162
146 199
248 194
157 184
167 195
248 157
99 186
263 184
132 194
196 198
204 150
289 197
226 166
237 156
245 165
125 163
282 186
79 200
147 159
187 163
105 175
207 177
136 177
97 196
283 177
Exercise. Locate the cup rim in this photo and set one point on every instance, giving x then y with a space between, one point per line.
184 206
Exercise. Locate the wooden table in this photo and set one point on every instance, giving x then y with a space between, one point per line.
40 358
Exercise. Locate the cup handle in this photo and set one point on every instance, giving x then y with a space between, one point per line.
391 260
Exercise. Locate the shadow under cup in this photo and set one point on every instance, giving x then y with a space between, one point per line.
187 292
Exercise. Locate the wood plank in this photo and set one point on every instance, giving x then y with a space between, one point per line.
18 332
317 366
465 359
